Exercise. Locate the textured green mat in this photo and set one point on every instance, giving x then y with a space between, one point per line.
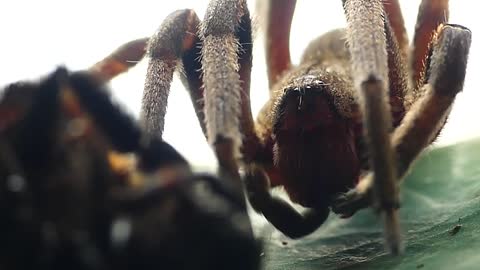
441 193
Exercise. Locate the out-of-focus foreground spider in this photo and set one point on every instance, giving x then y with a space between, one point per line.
83 187
350 119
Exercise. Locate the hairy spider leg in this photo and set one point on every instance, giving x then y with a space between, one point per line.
428 114
120 60
368 48
431 14
277 37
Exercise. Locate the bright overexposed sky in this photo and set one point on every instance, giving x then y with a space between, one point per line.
37 36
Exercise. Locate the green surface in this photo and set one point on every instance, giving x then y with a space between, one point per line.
441 192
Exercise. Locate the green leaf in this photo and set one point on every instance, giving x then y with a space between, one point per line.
440 218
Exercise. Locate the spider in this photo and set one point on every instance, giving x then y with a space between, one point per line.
350 119
83 187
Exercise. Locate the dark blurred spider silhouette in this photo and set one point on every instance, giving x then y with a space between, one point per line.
83 187
350 119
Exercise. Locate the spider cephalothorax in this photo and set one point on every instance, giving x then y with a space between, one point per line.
353 115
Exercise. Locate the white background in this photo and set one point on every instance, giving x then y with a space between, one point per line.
37 36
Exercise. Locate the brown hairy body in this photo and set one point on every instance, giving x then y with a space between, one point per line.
311 126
